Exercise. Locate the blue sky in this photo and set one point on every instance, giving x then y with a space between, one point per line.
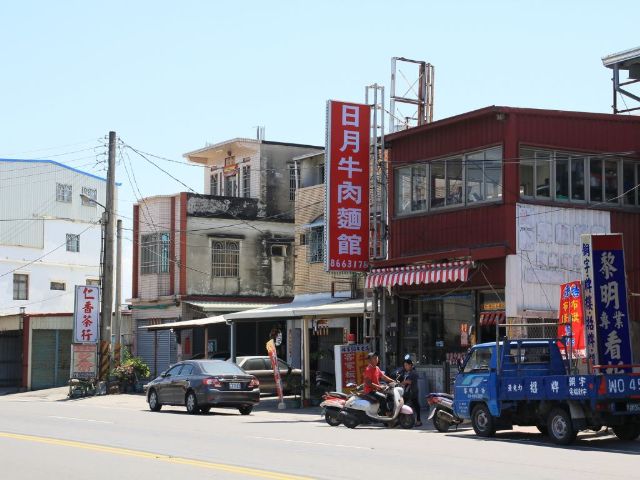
170 76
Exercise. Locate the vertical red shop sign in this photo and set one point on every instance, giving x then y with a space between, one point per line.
571 320
347 206
86 315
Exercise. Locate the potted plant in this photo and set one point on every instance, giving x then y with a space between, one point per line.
130 371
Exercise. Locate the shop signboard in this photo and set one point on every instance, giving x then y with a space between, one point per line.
606 311
571 320
350 362
84 361
86 314
347 179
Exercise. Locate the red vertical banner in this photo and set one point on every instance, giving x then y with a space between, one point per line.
347 179
273 356
571 319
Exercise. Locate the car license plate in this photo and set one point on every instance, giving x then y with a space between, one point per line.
633 407
235 386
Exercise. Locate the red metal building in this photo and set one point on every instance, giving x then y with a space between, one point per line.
509 191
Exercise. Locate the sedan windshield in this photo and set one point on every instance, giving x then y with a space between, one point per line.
219 367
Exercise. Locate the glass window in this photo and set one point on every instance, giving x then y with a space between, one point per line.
438 190
175 370
254 364
225 258
89 196
403 190
220 367
213 184
475 177
419 188
595 179
478 361
315 241
57 286
73 242
493 180
293 181
629 181
20 286
454 181
187 369
246 181
154 253
577 178
93 281
527 172
562 177
543 174
64 192
231 185
611 181
282 365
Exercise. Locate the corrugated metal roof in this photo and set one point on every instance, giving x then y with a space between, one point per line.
227 306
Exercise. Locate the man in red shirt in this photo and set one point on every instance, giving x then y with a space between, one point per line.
372 376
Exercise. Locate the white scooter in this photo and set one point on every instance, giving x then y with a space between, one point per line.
362 409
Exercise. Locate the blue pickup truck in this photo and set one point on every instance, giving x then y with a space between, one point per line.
525 382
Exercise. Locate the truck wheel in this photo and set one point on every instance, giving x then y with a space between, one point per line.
627 432
482 421
560 427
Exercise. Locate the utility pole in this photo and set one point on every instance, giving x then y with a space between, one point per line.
107 269
118 319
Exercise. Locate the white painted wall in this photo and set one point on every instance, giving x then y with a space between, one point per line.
33 234
548 254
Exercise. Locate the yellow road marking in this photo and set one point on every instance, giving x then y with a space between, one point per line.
253 472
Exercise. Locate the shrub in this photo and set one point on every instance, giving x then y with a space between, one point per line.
131 369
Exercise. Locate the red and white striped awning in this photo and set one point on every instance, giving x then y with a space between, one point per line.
420 274
489 319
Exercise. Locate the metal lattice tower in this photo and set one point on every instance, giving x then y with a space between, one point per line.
374 97
628 60
419 99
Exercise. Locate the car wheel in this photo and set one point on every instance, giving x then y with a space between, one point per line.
205 409
246 410
560 427
332 420
407 420
482 421
191 402
627 432
154 404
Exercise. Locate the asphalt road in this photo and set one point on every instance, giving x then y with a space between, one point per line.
43 436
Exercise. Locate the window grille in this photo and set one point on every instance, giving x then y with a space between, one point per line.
64 192
225 258
213 185
315 242
57 286
246 181
73 242
293 181
89 195
154 253
20 286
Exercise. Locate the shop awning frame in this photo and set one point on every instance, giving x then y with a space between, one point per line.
420 274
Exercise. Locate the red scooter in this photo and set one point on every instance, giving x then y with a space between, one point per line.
333 402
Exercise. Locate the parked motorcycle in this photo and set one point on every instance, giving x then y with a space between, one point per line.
333 403
325 381
362 409
442 414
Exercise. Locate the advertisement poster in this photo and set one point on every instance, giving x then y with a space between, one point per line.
606 311
86 314
350 362
571 319
84 361
347 204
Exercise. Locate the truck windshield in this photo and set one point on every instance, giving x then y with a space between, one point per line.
478 361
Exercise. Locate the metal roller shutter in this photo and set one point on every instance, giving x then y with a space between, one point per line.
50 358
156 348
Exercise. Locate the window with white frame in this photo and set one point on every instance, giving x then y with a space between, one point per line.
93 281
154 253
576 177
293 181
64 192
246 181
20 286
464 180
225 258
213 184
73 242
57 286
89 196
315 245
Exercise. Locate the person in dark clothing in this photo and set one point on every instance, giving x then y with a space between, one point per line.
410 384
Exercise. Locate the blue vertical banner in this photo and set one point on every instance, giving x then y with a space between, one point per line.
605 301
